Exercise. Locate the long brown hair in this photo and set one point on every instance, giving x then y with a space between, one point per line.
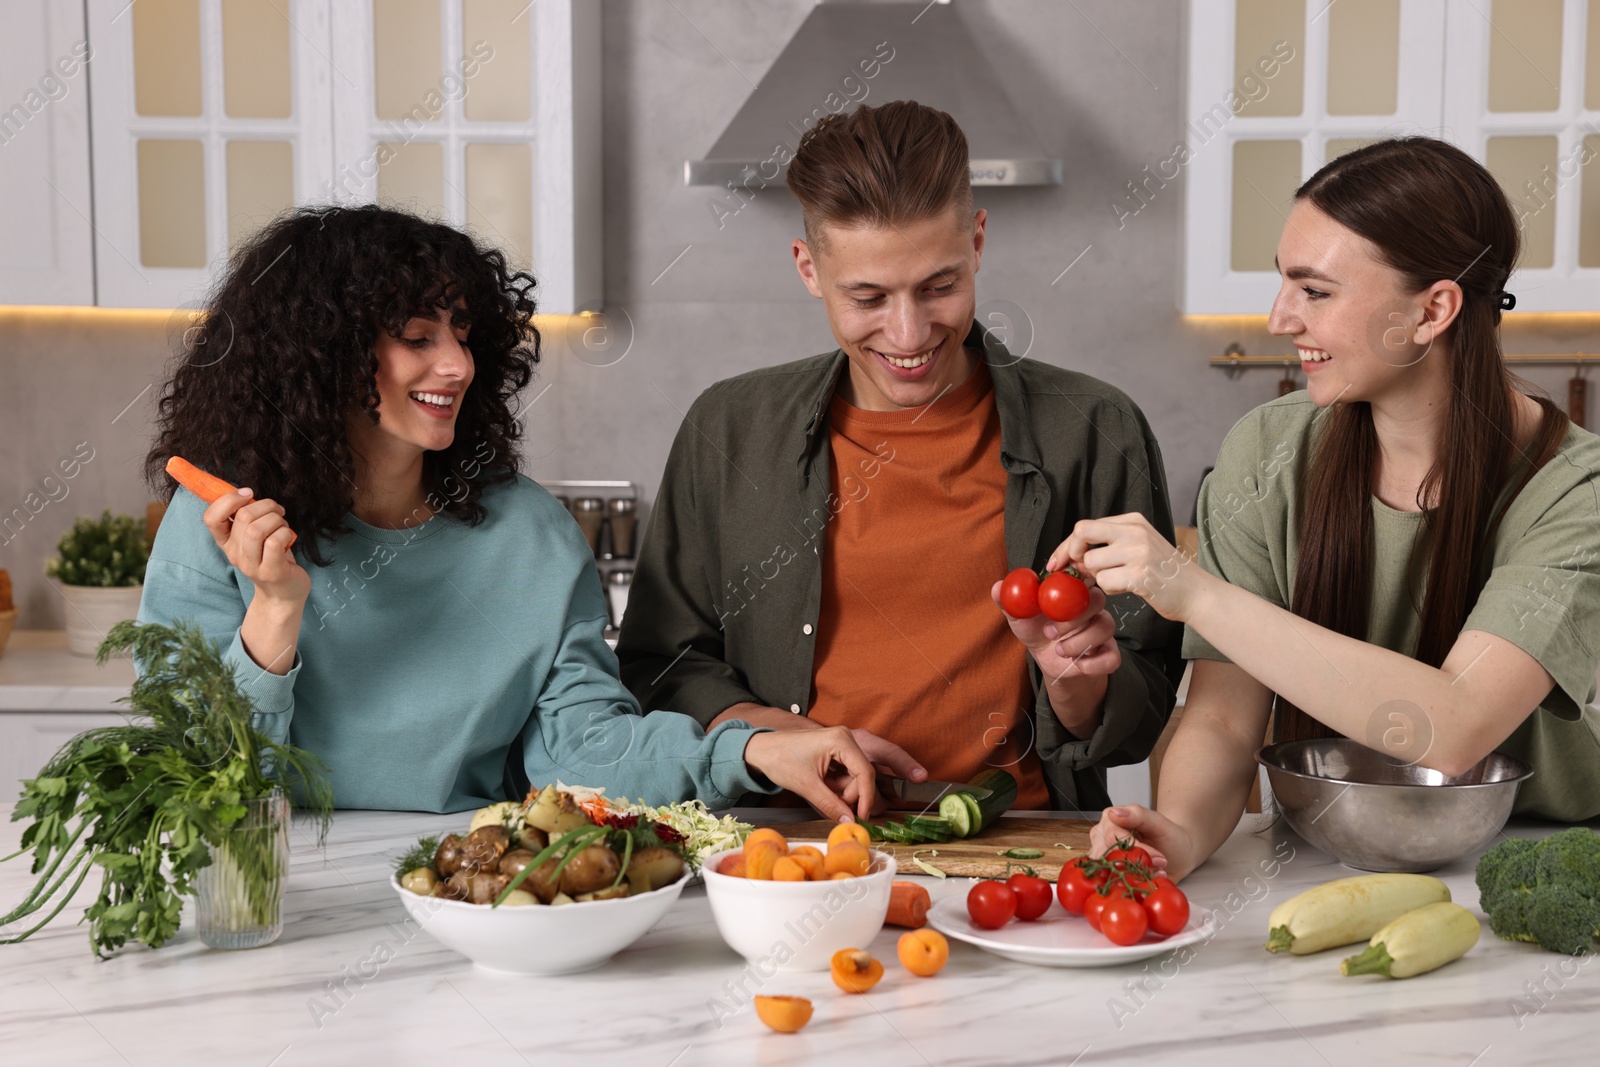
1433 213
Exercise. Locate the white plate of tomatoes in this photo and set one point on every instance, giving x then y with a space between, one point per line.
1136 915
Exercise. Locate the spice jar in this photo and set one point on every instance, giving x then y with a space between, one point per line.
621 520
618 582
590 513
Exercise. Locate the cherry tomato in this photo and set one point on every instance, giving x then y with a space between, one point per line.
1094 908
1062 597
1033 896
1073 888
1133 855
1019 596
991 904
1167 909
1123 921
1163 881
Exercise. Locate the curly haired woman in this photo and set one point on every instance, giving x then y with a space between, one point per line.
434 633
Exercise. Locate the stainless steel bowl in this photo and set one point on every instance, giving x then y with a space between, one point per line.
1375 813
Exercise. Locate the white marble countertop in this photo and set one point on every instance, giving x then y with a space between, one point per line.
1233 1003
37 673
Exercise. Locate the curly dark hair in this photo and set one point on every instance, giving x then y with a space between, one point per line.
284 349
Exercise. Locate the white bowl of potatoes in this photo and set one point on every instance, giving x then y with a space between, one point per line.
586 899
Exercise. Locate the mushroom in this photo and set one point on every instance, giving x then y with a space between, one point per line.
541 883
484 886
596 867
610 892
512 862
447 860
484 846
456 886
652 868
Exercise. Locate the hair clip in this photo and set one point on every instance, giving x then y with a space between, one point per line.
1506 300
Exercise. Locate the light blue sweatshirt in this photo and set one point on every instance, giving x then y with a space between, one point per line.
442 666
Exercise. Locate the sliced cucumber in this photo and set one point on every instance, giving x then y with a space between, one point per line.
1002 794
955 811
898 834
929 824
974 812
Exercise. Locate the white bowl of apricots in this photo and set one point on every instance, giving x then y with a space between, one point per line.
790 905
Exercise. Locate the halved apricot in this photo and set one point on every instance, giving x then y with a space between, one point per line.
784 1014
923 952
849 831
854 970
851 857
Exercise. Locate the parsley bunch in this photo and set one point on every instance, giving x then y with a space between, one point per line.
148 802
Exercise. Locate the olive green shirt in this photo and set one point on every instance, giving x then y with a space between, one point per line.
1542 595
728 586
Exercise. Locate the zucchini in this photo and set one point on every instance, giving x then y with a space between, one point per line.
1348 910
1002 794
1417 942
956 811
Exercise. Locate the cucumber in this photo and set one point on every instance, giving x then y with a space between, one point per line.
874 831
974 813
921 835
1348 910
955 810
1002 794
897 834
930 824
1419 941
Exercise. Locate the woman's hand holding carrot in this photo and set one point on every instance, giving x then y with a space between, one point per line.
255 537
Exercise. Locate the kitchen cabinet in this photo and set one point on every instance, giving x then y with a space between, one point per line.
211 117
46 242
47 697
1277 88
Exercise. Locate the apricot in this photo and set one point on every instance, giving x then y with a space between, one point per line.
732 866
787 870
850 857
784 1014
811 859
854 970
837 875
759 860
923 952
767 833
849 831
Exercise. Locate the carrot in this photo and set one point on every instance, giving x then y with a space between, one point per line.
908 905
207 487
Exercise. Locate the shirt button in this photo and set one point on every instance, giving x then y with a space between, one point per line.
806 629
795 708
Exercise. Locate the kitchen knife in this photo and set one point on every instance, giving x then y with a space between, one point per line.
917 796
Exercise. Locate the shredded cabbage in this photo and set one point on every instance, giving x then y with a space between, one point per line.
706 833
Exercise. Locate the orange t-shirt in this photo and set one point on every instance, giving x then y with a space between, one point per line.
909 644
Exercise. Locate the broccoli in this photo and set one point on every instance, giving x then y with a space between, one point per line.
1547 892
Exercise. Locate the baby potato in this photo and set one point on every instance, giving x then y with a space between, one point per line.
608 893
529 837
596 867
506 813
520 898
541 881
420 881
652 868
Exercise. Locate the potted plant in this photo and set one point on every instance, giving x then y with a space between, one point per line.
100 572
188 797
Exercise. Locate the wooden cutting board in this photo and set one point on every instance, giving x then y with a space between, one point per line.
978 857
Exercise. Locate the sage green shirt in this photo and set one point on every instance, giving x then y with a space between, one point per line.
1542 595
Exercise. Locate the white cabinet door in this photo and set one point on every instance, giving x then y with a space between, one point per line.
29 739
46 244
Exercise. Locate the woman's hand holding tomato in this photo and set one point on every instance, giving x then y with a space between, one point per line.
1169 845
1082 644
1125 554
255 536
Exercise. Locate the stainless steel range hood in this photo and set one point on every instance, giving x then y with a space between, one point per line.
845 54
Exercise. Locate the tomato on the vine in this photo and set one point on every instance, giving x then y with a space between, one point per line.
1094 908
1062 596
1167 909
1123 921
991 904
1073 887
1033 895
1135 854
1019 595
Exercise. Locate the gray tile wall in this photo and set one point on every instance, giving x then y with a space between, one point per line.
1107 97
